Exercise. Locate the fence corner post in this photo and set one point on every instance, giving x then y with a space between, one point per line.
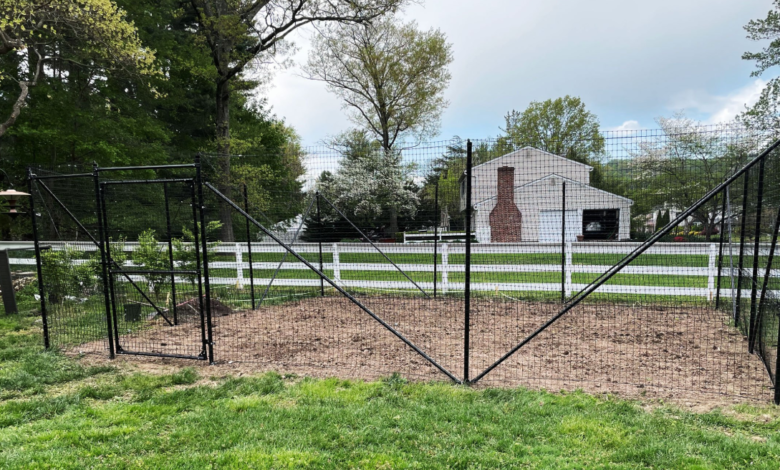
39 266
467 277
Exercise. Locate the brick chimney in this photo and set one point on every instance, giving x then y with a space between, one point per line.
506 222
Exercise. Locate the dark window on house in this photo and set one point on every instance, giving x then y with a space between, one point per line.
600 224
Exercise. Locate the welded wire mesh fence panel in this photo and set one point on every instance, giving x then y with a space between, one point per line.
765 311
569 216
351 260
349 219
66 216
23 276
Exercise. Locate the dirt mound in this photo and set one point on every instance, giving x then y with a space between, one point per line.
192 307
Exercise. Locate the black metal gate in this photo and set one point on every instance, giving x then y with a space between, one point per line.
155 291
153 295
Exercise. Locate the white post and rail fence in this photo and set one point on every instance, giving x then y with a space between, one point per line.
691 260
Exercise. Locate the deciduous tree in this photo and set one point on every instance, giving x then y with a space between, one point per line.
562 126
765 113
677 171
390 76
370 183
93 31
244 35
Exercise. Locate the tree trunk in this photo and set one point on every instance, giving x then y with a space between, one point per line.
392 229
223 162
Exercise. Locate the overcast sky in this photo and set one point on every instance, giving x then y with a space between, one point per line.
629 61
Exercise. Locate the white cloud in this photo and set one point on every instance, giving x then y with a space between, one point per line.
627 126
714 109
530 52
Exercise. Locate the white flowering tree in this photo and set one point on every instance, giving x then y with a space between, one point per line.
371 183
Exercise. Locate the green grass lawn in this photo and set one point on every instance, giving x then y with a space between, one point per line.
58 413
479 277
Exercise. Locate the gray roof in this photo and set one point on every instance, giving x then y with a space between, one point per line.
556 176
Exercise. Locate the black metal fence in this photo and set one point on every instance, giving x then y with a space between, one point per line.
634 263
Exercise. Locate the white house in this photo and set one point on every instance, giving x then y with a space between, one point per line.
520 197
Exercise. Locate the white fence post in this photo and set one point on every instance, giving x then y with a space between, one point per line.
445 259
336 268
712 271
239 266
568 269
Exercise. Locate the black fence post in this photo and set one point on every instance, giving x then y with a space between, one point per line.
205 245
109 263
720 249
103 263
563 242
170 253
249 249
319 242
38 265
740 265
767 275
467 279
198 268
777 368
756 256
435 237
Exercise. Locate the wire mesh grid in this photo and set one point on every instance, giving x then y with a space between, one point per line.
66 217
373 262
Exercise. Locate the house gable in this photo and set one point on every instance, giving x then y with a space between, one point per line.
527 151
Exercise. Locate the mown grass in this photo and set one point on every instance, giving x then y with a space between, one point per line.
58 413
481 277
607 259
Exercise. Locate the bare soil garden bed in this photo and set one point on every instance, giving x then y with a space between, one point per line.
672 352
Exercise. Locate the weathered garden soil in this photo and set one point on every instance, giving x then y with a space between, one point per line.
677 353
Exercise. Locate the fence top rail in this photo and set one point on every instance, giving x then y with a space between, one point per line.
146 167
71 175
672 248
151 181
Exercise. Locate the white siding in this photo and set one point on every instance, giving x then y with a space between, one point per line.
546 195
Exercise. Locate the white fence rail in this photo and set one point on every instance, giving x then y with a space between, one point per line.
445 267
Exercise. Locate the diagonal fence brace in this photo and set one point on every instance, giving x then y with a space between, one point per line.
284 258
372 244
333 284
97 244
631 257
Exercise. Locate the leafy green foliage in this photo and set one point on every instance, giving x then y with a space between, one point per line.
676 171
184 250
152 256
94 31
765 113
69 274
562 126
